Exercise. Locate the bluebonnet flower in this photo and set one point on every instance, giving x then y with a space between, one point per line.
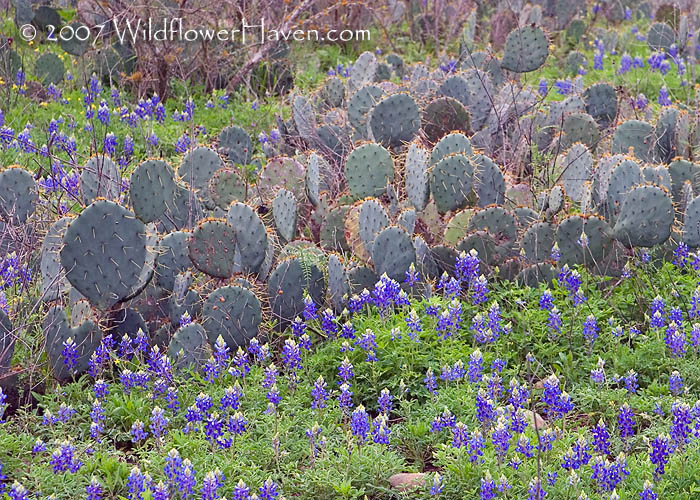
625 421
291 356
626 62
519 394
138 433
675 383
345 397
590 329
412 276
546 303
360 426
309 308
630 382
94 489
237 423
159 422
446 420
269 489
542 88
328 322
273 396
319 393
136 484
183 143
100 389
18 492
675 339
484 407
241 491
414 325
598 60
535 490
479 288
524 447
430 382
659 454
647 492
38 447
63 459
641 102
501 439
564 87
680 254
601 438
212 481
110 144
345 371
487 490
103 113
436 486
380 430
681 420
384 401
368 343
664 98
476 365
554 321
460 435
547 438
449 66
69 353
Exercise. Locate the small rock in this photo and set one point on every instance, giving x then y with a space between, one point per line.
541 423
408 480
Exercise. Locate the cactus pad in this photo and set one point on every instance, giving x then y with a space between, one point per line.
368 169
18 195
395 120
152 189
100 177
451 182
212 246
645 218
284 211
235 144
393 253
526 49
234 313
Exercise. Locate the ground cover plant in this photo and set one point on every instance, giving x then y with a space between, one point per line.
458 260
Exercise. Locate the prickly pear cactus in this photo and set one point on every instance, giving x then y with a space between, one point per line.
578 170
601 103
281 172
313 178
448 145
637 135
361 278
100 178
284 211
691 225
538 240
53 277
188 348
579 127
287 286
225 187
665 134
18 195
212 246
416 176
624 177
442 116
86 337
49 68
104 253
372 220
407 220
645 218
332 233
359 107
234 313
526 49
235 144
198 168
304 117
368 169
7 342
395 120
363 71
393 253
682 171
500 223
172 259
657 175
451 182
661 36
489 183
333 92
152 189
338 286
